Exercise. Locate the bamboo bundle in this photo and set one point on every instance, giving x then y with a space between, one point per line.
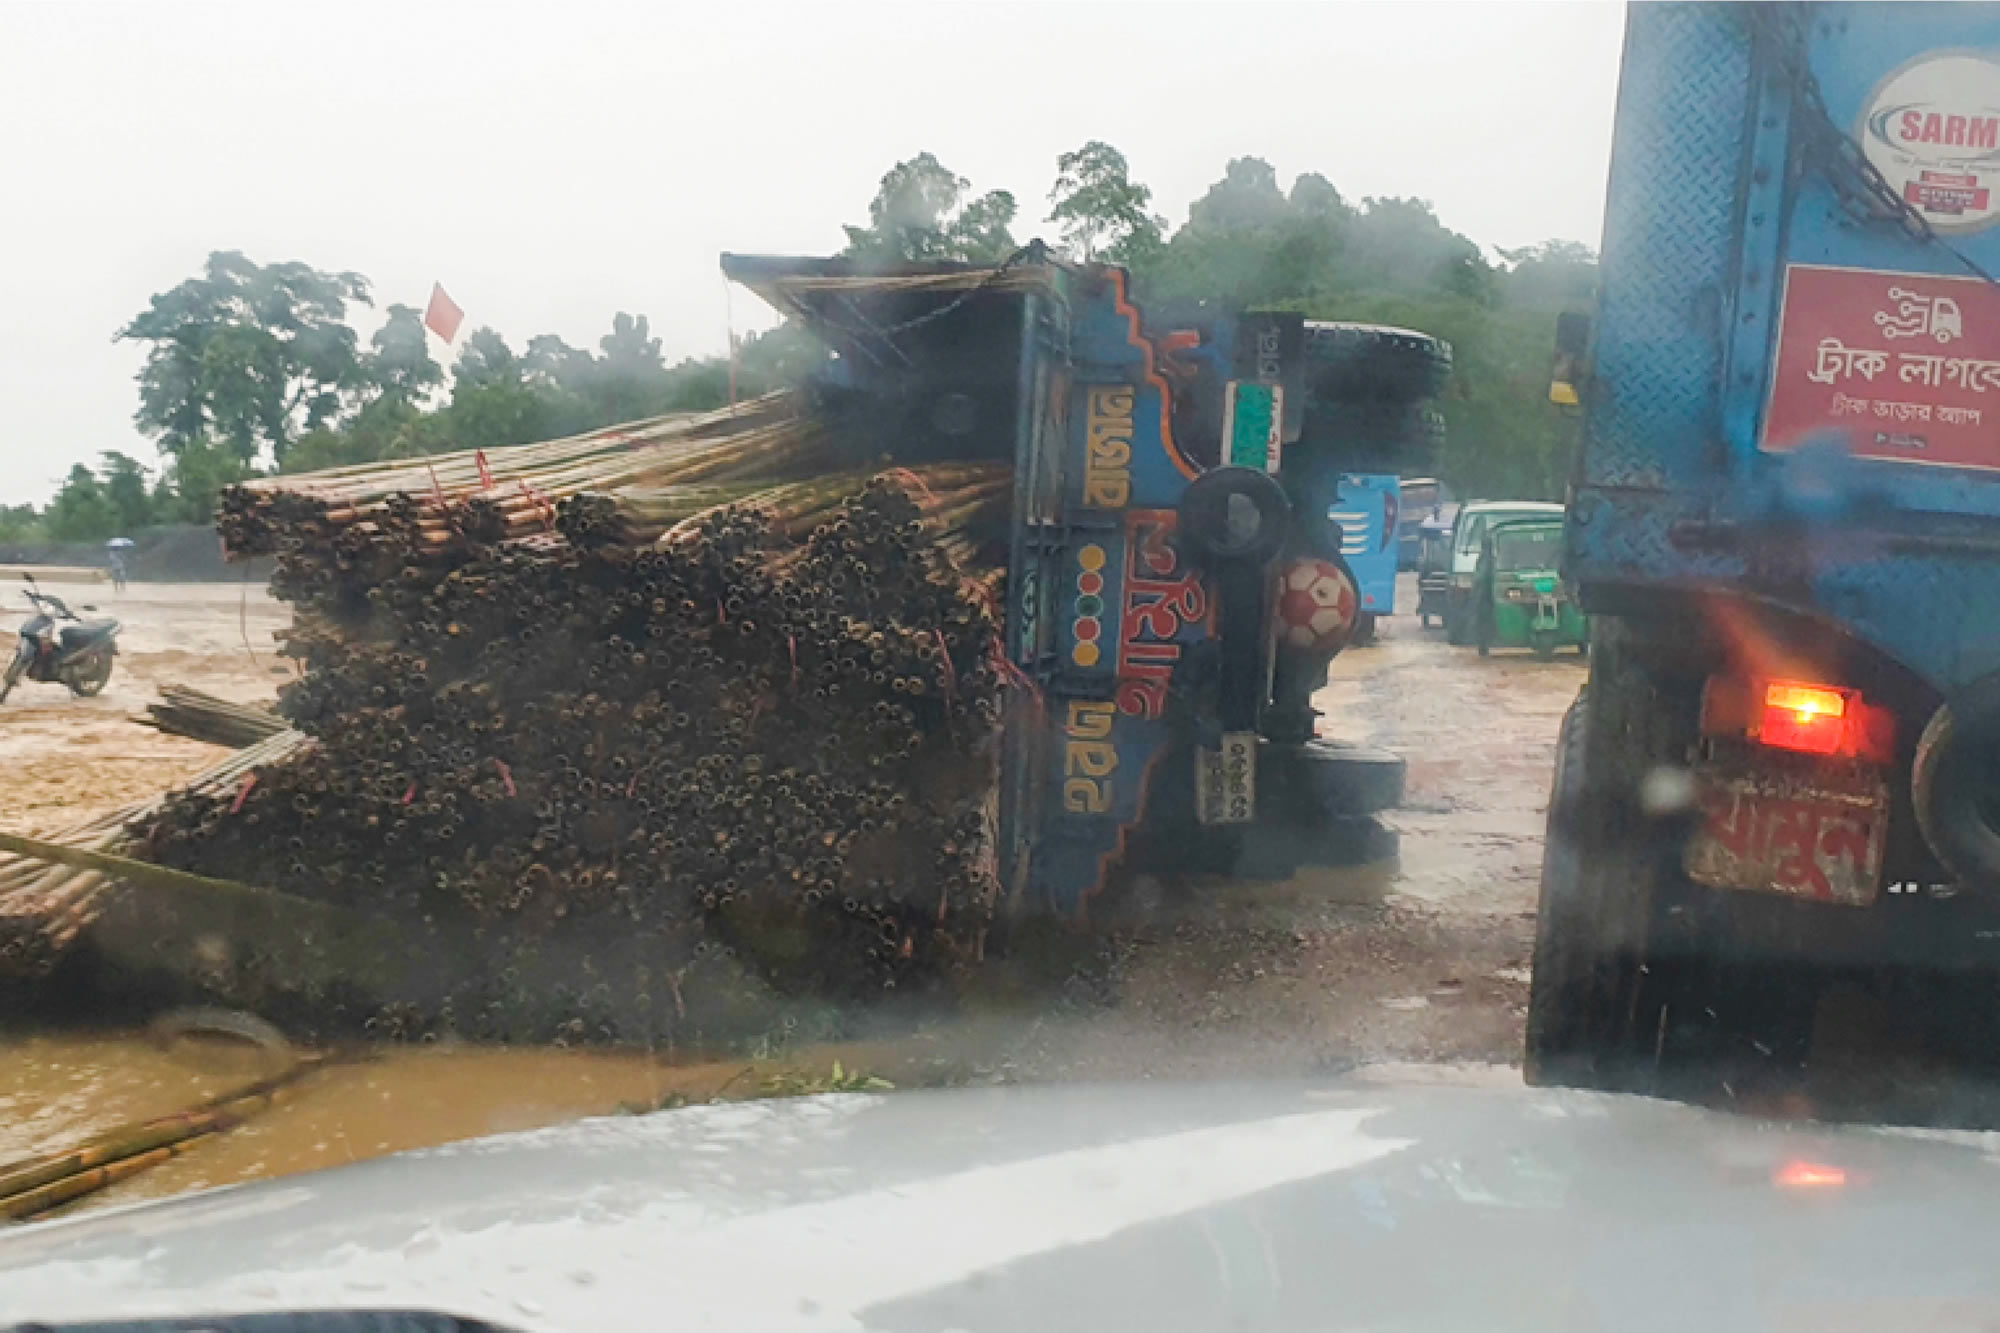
45 908
511 492
39 1184
183 711
732 701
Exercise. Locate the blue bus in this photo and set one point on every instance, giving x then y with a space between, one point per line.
1367 507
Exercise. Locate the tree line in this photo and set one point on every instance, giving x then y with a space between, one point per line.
255 367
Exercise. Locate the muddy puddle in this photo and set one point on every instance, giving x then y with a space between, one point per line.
60 1091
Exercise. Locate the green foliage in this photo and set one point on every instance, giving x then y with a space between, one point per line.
499 397
195 477
920 213
805 1083
251 355
1102 212
21 524
125 491
399 364
80 512
1249 245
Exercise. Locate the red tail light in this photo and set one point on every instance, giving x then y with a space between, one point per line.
1811 718
1798 715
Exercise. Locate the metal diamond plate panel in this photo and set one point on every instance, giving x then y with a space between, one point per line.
1908 558
1668 242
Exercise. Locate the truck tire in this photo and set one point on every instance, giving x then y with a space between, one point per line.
1955 784
1308 785
1587 1026
1404 437
1359 362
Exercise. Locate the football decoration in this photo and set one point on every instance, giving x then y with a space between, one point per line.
1317 602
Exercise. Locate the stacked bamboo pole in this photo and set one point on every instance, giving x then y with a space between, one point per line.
45 908
514 492
40 1184
184 711
721 699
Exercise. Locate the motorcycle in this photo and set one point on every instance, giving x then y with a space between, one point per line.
60 647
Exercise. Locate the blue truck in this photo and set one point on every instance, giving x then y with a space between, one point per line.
1785 518
1174 587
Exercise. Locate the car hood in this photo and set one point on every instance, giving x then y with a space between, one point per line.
1351 1204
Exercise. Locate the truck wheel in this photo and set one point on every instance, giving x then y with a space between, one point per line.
1371 361
1307 785
1372 436
1955 784
1586 1023
1454 621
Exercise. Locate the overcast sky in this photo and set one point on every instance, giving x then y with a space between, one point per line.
552 163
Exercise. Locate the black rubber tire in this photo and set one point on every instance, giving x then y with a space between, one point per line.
1955 784
1586 1024
90 676
1374 361
1324 780
1209 519
1405 437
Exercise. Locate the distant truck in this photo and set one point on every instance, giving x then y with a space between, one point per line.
1785 522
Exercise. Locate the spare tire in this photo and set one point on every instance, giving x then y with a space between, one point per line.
1367 362
1235 513
1402 437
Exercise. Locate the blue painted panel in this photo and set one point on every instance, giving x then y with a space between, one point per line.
1709 201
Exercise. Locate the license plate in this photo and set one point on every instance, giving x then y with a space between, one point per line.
1227 780
1807 837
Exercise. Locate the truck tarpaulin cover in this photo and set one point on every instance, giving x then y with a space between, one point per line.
1902 366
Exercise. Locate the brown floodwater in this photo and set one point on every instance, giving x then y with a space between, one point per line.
57 1091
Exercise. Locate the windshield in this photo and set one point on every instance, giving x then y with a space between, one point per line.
1527 548
630 558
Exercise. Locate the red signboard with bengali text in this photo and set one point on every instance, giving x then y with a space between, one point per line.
1902 366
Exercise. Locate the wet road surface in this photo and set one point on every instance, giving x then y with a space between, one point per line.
1422 960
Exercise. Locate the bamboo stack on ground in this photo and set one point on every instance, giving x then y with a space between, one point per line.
733 704
45 908
184 711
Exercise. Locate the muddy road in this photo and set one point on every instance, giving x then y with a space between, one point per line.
1424 959
67 759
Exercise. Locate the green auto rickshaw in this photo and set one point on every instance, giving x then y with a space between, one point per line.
1519 599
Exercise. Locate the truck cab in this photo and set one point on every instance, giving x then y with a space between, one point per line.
1174 587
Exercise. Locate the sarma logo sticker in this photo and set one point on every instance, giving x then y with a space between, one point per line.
1933 130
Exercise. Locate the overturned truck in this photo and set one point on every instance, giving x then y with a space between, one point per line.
1018 601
